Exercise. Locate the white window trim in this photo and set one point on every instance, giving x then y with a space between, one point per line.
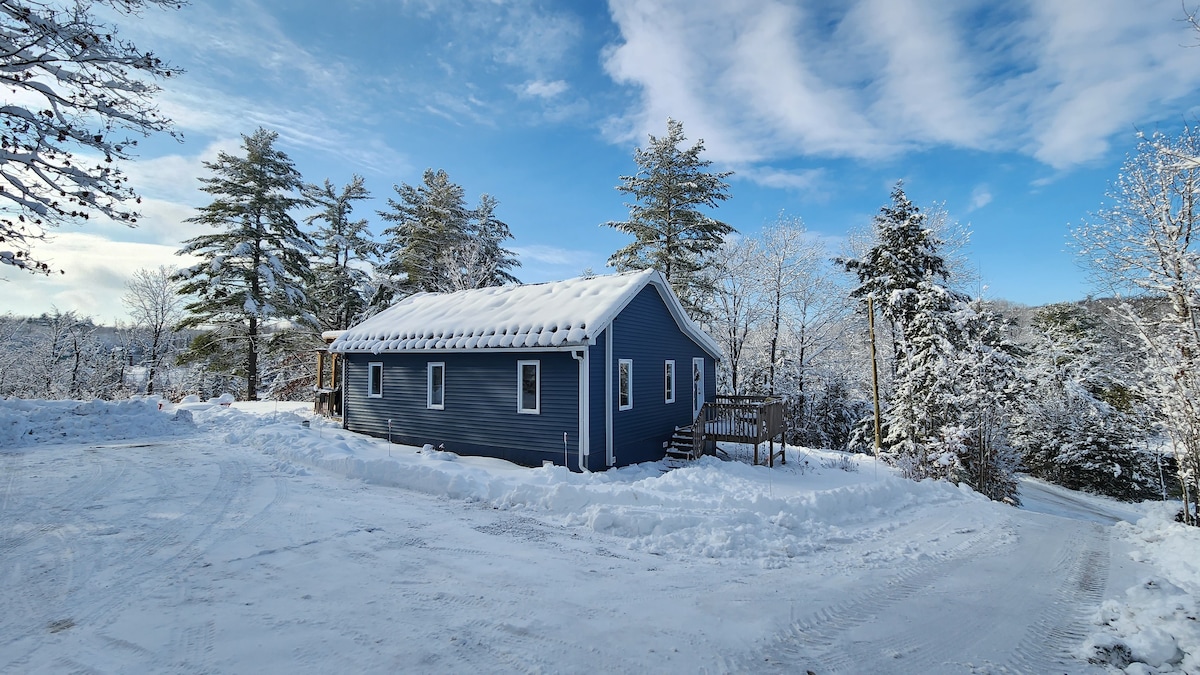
429 368
628 363
537 379
669 380
371 366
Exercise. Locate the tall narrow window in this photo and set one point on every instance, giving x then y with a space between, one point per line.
529 387
435 378
375 380
670 385
624 384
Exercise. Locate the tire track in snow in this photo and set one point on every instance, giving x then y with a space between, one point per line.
45 587
817 642
44 508
132 566
1062 626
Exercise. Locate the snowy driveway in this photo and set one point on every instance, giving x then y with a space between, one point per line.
221 552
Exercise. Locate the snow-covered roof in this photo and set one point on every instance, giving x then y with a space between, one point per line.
558 314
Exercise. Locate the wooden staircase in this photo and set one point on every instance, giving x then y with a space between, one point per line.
682 446
737 419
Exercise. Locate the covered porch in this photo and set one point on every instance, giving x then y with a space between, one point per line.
328 384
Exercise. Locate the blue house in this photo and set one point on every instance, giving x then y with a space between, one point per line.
599 369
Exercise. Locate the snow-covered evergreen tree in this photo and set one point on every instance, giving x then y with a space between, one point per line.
346 249
255 270
1081 425
1144 243
945 414
922 404
987 383
904 253
670 232
438 244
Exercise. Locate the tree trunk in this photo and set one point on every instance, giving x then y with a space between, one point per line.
252 360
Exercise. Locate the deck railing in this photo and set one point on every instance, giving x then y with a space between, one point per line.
742 419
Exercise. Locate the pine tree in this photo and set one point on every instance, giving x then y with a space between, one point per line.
254 271
986 377
438 244
905 254
921 406
340 292
489 233
1081 425
670 232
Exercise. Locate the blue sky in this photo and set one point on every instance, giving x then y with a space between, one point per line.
1014 115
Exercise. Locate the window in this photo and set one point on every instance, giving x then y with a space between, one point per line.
435 379
670 386
375 380
624 384
529 387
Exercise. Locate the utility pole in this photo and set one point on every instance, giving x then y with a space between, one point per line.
874 367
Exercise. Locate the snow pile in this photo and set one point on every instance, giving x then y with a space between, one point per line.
1155 628
30 422
712 509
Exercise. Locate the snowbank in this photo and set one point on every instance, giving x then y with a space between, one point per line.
711 508
25 423
1155 628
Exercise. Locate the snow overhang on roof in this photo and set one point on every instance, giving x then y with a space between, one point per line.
553 315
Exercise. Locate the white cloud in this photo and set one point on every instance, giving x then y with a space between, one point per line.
531 38
768 79
981 196
801 181
96 271
543 89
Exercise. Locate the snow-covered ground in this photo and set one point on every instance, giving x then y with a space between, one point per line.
133 539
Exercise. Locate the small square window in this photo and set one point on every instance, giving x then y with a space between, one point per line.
375 380
625 384
435 378
529 387
670 384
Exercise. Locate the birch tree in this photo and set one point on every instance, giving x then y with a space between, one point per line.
735 308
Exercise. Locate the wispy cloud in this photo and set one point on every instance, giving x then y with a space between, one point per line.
543 89
981 196
807 180
769 79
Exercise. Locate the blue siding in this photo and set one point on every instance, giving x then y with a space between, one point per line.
480 415
646 333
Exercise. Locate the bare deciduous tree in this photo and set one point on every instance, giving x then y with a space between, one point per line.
156 308
1143 243
72 85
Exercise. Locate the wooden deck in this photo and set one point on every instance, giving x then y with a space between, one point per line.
734 419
